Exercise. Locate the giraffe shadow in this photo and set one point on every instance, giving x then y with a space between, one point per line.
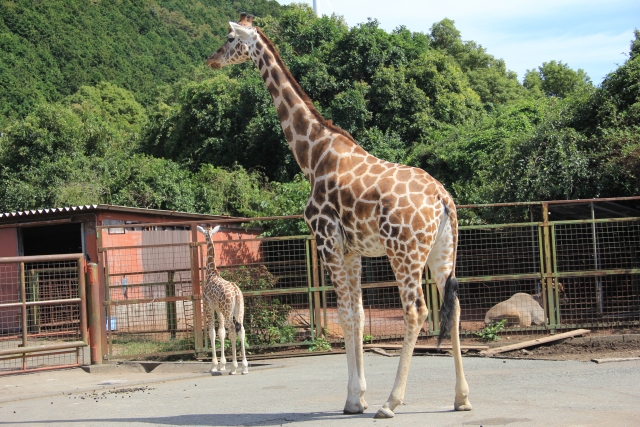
262 419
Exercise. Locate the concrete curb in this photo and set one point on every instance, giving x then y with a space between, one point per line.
164 367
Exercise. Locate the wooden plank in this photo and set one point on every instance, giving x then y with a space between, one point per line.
615 359
426 347
535 342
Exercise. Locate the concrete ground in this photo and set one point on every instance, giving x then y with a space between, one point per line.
311 391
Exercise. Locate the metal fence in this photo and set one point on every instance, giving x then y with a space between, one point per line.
539 274
43 321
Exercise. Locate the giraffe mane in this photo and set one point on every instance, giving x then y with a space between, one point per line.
300 92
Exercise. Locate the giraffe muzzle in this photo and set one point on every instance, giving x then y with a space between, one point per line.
211 62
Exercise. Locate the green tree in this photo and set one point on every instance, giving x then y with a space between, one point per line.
557 79
451 97
445 36
234 192
349 109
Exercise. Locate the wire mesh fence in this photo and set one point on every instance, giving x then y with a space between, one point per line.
42 313
536 274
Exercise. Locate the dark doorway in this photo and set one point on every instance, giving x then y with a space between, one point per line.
52 239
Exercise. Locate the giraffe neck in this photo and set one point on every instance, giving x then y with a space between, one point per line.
303 126
212 269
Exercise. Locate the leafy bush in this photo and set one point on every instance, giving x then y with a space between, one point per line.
320 344
490 332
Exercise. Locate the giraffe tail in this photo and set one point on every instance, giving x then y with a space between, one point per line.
447 311
238 312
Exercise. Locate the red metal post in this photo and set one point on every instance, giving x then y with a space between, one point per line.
95 326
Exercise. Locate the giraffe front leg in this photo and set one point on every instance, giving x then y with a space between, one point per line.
351 316
222 335
214 357
352 328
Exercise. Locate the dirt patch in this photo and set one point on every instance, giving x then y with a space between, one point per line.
582 351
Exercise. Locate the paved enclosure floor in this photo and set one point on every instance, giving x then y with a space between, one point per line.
311 391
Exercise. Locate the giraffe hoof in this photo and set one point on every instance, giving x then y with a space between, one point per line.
215 373
384 413
463 406
232 373
245 371
350 409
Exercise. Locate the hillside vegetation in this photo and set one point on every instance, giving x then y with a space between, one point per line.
110 102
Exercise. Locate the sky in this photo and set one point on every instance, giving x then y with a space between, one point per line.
592 35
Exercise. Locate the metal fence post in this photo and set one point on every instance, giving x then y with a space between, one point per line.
95 326
324 296
596 260
172 316
195 290
308 257
316 285
547 283
102 285
25 330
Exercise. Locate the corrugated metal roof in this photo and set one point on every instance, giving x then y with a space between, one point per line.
47 211
104 207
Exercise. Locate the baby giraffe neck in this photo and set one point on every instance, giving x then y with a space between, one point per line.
212 269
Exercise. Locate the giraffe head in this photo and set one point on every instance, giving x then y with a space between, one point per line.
209 232
241 41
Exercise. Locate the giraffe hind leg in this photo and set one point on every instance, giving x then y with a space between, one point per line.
234 356
245 365
441 263
239 316
415 313
214 356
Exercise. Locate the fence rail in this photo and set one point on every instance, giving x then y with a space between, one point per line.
43 317
513 263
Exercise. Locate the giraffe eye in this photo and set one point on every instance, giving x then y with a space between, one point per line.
231 38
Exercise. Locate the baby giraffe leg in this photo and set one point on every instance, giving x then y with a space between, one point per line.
234 358
245 365
214 357
222 335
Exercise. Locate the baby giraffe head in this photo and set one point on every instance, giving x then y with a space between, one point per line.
241 41
209 232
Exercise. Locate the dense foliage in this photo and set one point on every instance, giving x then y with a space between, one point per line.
110 102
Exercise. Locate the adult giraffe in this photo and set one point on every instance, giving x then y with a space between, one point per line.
362 206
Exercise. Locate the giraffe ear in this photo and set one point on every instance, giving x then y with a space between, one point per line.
202 230
215 230
243 33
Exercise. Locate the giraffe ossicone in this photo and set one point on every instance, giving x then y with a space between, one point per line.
225 299
362 206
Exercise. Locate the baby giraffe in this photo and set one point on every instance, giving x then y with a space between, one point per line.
225 298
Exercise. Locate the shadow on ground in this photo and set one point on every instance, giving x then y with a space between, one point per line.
258 419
